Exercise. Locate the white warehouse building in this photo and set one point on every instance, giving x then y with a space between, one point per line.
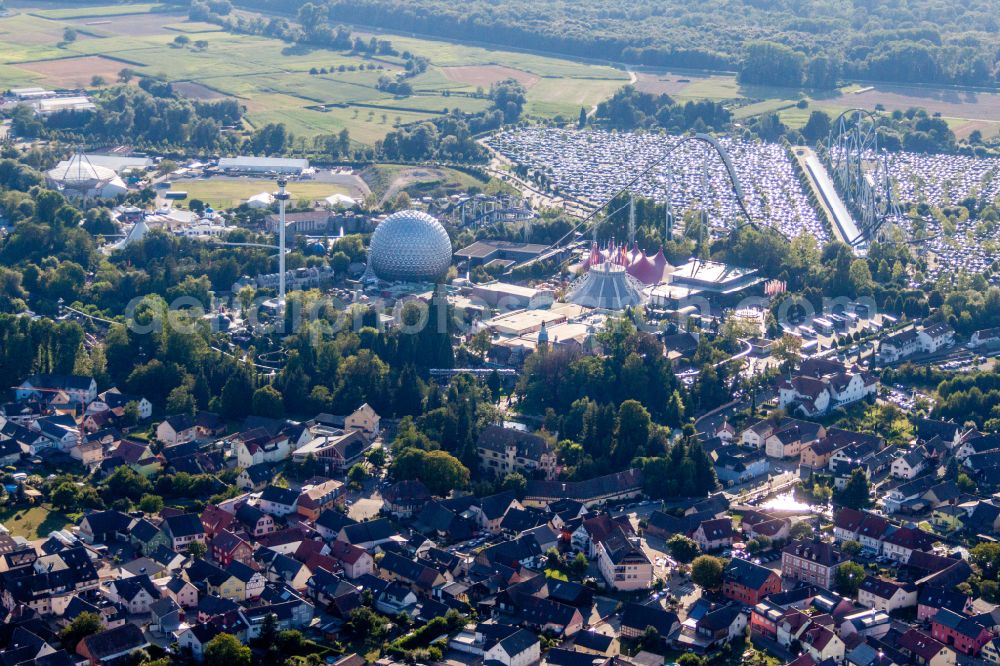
264 165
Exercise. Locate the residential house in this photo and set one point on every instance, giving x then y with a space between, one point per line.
355 561
254 520
548 616
277 501
395 567
181 590
183 529
924 649
318 497
788 438
82 390
136 593
911 341
822 643
636 617
711 627
258 446
715 534
909 464
520 648
177 429
823 385
748 583
368 534
504 451
103 526
331 522
609 488
145 536
811 562
405 498
255 477
226 547
900 544
960 632
336 451
115 399
364 420
112 646
886 595
624 565
242 576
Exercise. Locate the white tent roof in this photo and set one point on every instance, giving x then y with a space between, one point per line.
340 200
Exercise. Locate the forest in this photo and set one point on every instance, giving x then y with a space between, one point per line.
781 42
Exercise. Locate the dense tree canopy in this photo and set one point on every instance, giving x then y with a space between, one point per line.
916 41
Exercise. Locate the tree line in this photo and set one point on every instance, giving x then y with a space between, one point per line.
814 43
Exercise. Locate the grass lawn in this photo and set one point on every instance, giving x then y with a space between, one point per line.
33 523
192 27
221 193
100 10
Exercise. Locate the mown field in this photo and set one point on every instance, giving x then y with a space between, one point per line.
964 110
222 193
272 78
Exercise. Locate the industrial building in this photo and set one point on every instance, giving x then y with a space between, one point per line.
506 296
492 252
48 106
263 165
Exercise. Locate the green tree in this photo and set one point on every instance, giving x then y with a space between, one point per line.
682 548
515 481
196 549
851 547
151 503
180 401
267 401
227 649
357 474
817 128
690 659
83 625
706 571
986 556
65 496
856 494
632 430
848 578
440 471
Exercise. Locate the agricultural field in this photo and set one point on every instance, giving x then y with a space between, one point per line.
965 111
223 193
272 78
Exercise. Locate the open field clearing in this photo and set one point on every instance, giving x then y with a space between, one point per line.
75 72
949 103
197 91
100 10
229 192
487 75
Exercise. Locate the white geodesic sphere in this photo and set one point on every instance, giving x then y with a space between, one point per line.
409 246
